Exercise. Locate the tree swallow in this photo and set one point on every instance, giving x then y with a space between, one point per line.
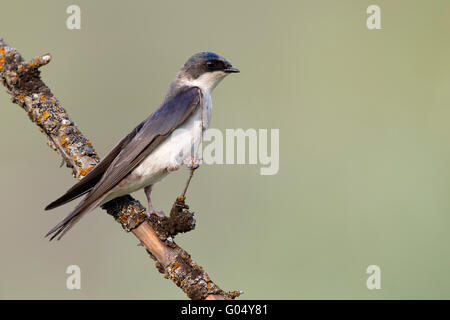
159 145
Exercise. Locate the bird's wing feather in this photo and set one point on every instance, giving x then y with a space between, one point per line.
93 177
158 126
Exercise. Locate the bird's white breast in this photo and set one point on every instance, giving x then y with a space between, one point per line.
175 150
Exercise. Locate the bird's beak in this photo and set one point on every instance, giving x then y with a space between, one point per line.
231 70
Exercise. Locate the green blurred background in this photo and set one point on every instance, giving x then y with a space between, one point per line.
364 147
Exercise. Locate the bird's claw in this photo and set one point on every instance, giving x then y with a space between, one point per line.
193 165
173 168
159 214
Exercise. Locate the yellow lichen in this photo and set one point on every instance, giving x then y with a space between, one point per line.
82 172
45 115
2 58
62 140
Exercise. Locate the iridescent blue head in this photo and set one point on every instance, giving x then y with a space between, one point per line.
206 62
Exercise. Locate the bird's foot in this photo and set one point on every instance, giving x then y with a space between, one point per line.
173 168
193 164
159 214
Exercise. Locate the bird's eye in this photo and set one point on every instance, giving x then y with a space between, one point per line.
211 64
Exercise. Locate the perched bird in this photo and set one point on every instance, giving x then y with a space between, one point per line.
162 143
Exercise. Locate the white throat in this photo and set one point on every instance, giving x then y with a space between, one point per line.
207 81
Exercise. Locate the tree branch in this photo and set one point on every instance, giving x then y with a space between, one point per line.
22 80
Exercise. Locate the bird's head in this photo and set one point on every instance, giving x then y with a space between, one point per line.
205 70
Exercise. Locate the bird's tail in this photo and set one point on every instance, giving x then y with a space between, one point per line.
72 218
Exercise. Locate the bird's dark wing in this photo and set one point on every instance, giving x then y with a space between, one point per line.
158 126
93 177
